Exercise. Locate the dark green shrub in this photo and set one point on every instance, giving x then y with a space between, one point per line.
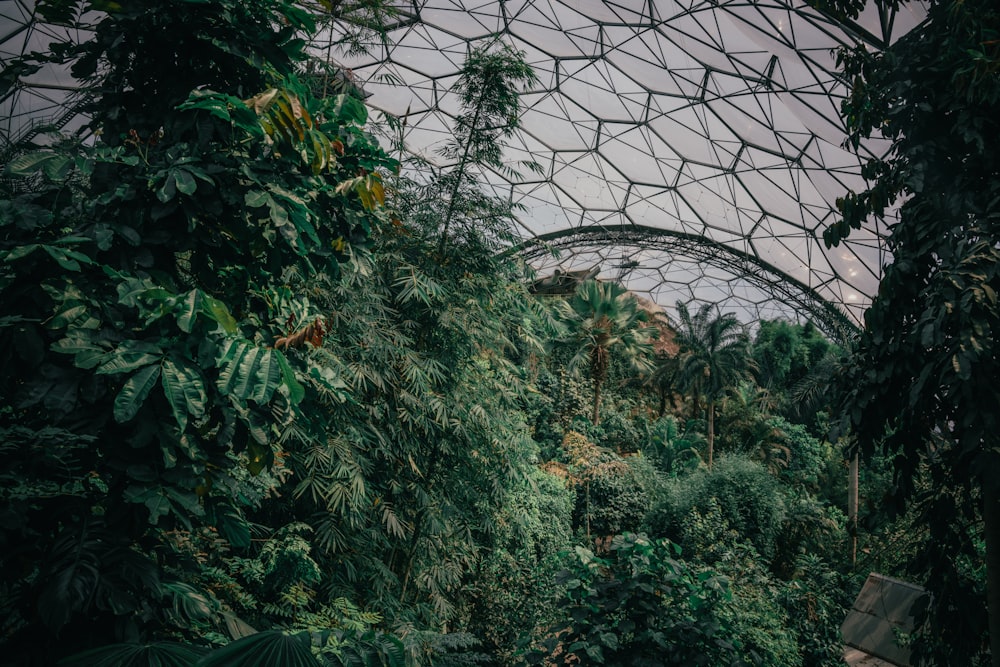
750 499
813 463
673 449
613 494
513 589
817 600
619 433
617 501
638 606
759 622
811 527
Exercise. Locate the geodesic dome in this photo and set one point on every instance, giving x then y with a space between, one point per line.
690 149
42 101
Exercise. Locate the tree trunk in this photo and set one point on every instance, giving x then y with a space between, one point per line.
991 528
597 402
711 432
460 173
852 508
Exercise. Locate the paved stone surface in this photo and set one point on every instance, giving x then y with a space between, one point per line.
855 658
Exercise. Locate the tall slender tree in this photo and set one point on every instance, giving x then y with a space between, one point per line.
923 387
489 88
147 398
663 379
714 356
602 317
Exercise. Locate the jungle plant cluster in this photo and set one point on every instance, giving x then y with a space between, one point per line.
265 399
921 390
756 542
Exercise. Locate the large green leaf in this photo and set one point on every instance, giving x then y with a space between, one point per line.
185 391
53 165
195 303
250 372
156 654
70 313
152 497
229 362
185 181
67 259
87 353
232 525
295 390
217 311
186 604
133 292
264 649
246 372
368 649
130 355
225 107
187 310
267 378
349 109
134 393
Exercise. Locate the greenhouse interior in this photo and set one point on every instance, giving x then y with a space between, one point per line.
499 332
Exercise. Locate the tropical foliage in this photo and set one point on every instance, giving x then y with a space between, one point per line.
269 396
602 317
714 357
922 388
639 606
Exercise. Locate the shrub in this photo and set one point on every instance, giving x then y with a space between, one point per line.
613 494
639 606
513 588
759 622
671 449
749 498
619 433
817 600
813 461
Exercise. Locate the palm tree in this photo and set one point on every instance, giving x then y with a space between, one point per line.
602 317
714 356
663 379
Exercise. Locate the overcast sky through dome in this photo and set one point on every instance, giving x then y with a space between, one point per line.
714 120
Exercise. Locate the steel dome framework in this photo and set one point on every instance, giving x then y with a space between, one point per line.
691 149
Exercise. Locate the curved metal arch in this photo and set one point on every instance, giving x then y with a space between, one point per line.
785 288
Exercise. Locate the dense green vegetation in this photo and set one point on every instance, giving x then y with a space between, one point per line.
266 400
921 390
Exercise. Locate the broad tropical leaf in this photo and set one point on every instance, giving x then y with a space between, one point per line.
156 654
232 525
87 353
249 372
187 603
197 302
134 393
52 164
264 649
129 356
371 649
267 377
185 391
296 392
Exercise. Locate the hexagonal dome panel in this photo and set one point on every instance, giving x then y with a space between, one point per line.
688 148
692 148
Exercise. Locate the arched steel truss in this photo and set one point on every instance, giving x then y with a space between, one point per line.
747 266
